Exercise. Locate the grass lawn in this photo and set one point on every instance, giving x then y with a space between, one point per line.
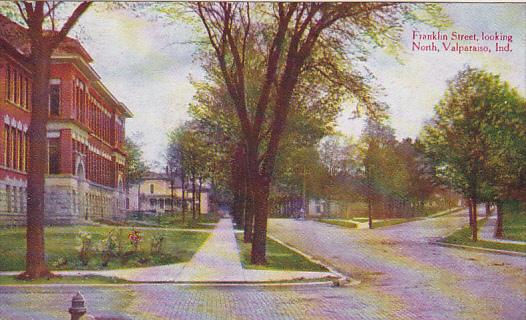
376 223
62 248
341 223
11 280
515 226
279 257
514 221
463 237
392 222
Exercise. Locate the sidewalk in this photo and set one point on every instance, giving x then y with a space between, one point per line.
217 261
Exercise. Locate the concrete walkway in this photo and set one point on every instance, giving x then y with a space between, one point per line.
487 233
217 261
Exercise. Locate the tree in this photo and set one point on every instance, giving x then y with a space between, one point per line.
189 153
317 106
42 43
280 42
136 167
174 160
477 138
505 132
378 158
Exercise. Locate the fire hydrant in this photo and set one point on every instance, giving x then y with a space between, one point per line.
78 308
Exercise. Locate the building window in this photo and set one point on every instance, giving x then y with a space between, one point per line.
54 156
7 145
151 188
8 198
9 84
18 87
54 99
15 148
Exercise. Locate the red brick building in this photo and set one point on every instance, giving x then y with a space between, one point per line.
86 132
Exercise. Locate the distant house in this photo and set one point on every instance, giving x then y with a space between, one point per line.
315 207
321 207
154 194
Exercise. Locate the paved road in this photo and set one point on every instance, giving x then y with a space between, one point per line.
168 301
409 278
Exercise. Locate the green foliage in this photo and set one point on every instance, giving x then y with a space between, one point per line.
279 257
62 248
109 247
477 139
341 223
462 237
136 167
85 248
514 220
157 244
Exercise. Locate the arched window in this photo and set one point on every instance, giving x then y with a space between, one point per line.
80 172
151 188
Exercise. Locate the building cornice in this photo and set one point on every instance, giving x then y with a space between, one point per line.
87 70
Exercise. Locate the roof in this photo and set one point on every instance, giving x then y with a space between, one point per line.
70 51
161 176
150 175
16 35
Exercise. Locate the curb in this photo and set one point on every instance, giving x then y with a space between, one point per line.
479 249
341 276
182 284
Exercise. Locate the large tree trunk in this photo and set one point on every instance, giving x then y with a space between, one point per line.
249 215
238 185
470 211
499 227
259 241
252 171
474 220
37 168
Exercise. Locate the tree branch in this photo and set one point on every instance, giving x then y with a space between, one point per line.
56 39
22 12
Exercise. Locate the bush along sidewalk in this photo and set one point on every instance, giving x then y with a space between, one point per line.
101 247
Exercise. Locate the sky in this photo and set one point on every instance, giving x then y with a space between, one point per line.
148 63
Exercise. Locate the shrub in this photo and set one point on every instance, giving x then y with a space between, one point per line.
60 262
157 244
108 247
135 238
85 248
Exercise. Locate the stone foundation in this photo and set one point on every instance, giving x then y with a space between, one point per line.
68 201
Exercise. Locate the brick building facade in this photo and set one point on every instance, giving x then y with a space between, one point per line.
86 131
